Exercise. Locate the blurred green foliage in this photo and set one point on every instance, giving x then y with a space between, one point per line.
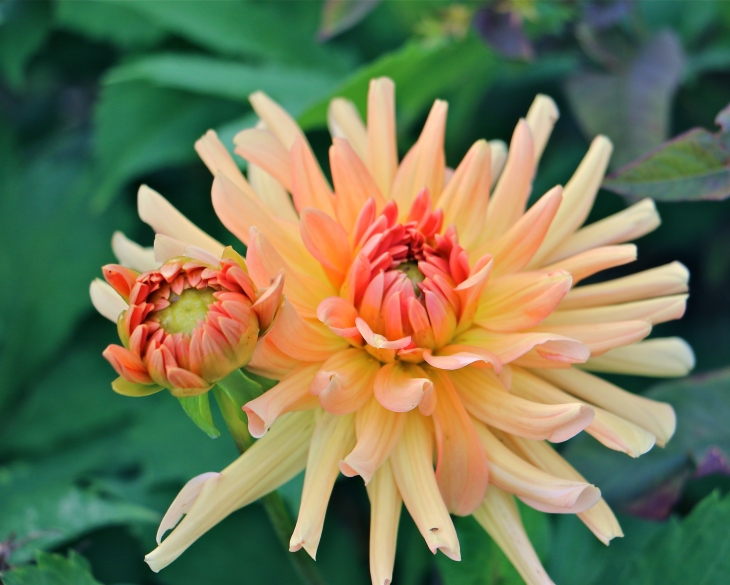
97 97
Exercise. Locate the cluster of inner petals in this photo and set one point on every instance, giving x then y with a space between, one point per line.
410 287
187 326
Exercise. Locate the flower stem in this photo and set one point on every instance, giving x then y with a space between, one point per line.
274 505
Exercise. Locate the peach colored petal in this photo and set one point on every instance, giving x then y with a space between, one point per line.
485 399
599 519
462 470
333 437
454 357
272 193
267 305
669 357
167 248
382 154
610 430
656 417
466 197
511 346
669 279
344 121
513 188
401 386
309 186
601 337
162 217
542 491
276 119
518 301
344 383
654 311
499 158
269 361
106 300
354 184
240 211
269 463
385 508
340 316
514 250
132 255
263 149
500 517
216 157
378 431
412 466
326 241
423 166
541 118
127 364
590 262
624 226
378 341
303 340
578 197
303 289
184 501
470 291
290 394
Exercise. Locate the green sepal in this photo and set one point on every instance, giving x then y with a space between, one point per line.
240 388
198 409
127 388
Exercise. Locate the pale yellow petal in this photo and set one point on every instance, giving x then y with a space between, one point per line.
656 417
106 300
669 279
382 153
161 216
592 261
272 193
276 118
269 463
262 148
132 255
610 430
500 517
385 508
658 310
218 160
669 357
541 118
599 519
498 149
578 197
344 121
333 436
624 226
412 466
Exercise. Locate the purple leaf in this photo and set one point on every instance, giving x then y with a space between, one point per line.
503 32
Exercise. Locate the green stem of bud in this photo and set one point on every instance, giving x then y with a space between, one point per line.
232 393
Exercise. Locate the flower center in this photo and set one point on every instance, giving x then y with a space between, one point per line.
410 269
186 310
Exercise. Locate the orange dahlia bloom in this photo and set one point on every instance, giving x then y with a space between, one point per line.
187 324
432 338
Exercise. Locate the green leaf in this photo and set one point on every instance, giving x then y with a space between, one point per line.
280 31
198 409
631 106
23 29
483 562
240 388
108 21
695 166
294 88
141 128
53 569
702 404
458 61
695 550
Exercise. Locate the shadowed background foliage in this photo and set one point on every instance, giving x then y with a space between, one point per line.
97 97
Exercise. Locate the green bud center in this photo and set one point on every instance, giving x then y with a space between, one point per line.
185 310
413 273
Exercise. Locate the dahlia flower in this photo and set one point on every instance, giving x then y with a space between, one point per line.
185 325
432 339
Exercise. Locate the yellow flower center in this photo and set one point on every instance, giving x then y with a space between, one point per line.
186 310
410 269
